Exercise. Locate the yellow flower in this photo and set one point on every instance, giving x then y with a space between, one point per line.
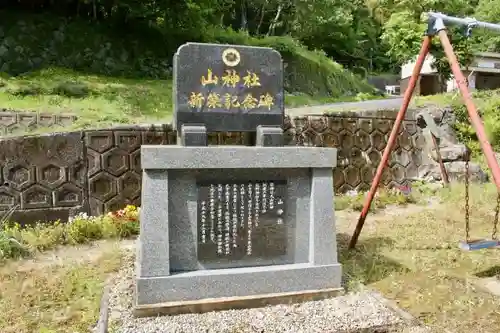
130 208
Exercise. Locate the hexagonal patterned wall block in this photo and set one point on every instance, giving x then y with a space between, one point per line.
100 170
13 122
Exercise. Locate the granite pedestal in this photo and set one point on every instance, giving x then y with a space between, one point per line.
276 237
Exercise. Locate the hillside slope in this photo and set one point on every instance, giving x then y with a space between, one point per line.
105 76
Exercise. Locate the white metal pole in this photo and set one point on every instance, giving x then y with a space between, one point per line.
468 21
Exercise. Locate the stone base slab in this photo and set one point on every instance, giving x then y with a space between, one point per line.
205 286
232 303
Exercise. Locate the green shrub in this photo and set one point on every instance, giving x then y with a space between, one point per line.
85 230
10 247
488 104
33 41
39 237
127 228
491 119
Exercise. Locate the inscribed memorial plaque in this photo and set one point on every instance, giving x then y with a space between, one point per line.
241 220
228 87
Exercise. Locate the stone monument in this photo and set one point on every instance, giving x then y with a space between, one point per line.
233 226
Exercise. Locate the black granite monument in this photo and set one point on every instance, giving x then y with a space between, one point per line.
227 88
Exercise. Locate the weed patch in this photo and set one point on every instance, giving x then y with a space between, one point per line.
16 242
384 197
55 298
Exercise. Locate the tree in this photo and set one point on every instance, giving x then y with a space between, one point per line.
489 11
405 28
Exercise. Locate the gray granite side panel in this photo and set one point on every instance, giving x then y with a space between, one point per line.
237 282
183 221
299 189
224 157
323 245
154 234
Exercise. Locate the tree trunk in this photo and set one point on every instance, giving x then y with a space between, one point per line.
243 23
94 10
262 13
272 26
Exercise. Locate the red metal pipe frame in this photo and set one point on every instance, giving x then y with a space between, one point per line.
424 50
471 108
442 168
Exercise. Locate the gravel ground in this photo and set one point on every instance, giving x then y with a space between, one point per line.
362 312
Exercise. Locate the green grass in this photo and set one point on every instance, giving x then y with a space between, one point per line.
44 295
481 98
108 77
96 100
420 192
54 298
413 258
383 198
410 256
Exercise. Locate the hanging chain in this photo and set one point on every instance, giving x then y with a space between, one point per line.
495 222
467 208
467 215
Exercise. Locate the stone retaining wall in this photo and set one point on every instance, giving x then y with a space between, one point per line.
52 176
12 122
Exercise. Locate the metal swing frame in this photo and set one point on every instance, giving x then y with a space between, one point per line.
436 27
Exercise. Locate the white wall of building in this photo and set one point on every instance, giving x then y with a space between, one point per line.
407 69
484 62
452 84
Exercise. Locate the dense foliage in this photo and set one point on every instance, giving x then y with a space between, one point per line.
345 31
363 35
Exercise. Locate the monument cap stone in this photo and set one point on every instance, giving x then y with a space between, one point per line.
228 88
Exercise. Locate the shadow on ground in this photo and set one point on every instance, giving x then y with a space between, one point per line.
491 272
365 264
